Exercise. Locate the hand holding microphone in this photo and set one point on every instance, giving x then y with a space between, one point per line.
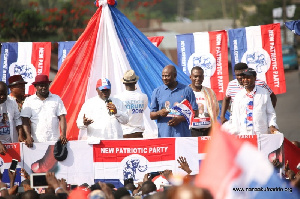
111 107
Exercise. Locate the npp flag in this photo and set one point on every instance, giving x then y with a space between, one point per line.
109 46
209 51
233 168
185 108
124 159
28 59
260 48
294 26
13 151
64 48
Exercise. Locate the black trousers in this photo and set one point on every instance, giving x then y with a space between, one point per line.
200 132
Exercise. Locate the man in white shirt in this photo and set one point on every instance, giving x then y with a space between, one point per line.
43 114
102 116
10 121
136 103
253 112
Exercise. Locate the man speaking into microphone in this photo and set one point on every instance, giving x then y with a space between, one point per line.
101 115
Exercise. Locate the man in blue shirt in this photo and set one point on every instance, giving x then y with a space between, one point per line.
169 122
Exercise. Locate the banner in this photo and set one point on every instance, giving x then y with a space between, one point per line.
112 161
116 160
64 48
28 59
260 47
209 51
76 169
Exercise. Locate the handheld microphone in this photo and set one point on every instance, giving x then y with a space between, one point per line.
108 101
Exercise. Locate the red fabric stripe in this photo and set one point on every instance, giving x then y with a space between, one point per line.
276 69
219 80
40 58
72 79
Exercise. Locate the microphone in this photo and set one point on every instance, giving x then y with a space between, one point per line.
108 101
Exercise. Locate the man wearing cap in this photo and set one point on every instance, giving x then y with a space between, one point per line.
46 112
17 89
253 112
10 121
234 86
101 115
136 103
169 122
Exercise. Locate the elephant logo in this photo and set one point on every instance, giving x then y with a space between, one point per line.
133 164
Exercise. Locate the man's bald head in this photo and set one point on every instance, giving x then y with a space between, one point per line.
169 75
171 69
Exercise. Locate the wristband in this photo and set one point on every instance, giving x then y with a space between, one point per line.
3 188
58 188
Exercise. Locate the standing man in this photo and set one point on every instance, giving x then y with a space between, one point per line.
102 116
43 114
207 104
10 121
136 103
234 86
169 122
252 111
17 89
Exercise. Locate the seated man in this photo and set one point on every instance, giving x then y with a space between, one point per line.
102 116
253 112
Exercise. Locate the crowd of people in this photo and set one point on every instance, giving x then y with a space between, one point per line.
42 117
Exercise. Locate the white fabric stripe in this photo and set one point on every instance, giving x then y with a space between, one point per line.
110 62
24 52
201 42
254 43
202 45
253 37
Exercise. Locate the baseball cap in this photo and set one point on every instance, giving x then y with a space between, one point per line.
103 84
249 71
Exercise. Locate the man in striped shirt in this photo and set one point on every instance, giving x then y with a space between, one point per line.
236 85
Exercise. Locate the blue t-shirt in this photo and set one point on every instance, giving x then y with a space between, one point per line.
163 97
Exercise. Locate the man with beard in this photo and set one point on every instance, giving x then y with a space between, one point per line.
46 113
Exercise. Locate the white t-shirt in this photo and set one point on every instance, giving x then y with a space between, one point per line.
43 115
203 120
135 104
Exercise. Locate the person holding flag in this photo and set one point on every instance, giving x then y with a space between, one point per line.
170 123
207 104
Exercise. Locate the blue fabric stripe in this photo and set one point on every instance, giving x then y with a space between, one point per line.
240 36
185 48
144 58
65 45
10 50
